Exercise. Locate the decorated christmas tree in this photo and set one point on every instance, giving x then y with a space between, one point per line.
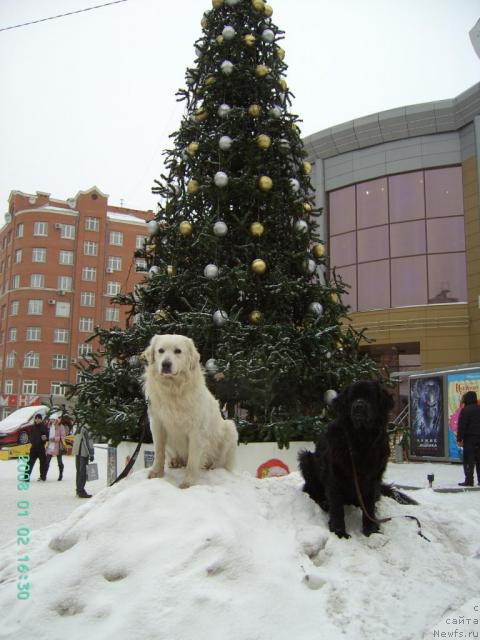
233 256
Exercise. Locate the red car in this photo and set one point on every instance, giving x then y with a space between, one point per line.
15 428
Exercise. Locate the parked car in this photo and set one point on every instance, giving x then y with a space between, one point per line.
15 428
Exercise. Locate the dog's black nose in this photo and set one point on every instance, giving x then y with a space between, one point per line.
166 366
359 408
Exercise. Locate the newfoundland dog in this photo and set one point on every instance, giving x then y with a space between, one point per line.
351 456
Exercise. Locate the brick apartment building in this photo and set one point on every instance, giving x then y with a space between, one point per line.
60 264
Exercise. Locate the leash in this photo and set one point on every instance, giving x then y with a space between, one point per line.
143 421
360 497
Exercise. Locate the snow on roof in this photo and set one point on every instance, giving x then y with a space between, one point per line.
55 209
21 416
123 217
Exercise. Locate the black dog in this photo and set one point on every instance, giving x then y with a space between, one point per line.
358 433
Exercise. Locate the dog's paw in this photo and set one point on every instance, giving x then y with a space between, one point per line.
177 463
185 485
342 534
371 528
155 474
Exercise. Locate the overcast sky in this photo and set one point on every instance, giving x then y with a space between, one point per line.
90 98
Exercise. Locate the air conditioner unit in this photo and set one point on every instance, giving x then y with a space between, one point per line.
52 302
110 270
58 226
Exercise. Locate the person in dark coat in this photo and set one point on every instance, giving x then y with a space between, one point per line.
38 438
468 437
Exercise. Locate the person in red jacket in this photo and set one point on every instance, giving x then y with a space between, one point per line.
468 437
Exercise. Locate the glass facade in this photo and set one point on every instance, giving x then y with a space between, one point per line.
400 240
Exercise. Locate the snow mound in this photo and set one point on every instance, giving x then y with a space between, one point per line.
237 558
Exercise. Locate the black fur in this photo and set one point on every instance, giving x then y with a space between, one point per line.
362 412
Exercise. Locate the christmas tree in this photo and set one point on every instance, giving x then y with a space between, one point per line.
233 257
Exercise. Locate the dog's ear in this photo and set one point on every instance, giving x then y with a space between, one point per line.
193 357
148 355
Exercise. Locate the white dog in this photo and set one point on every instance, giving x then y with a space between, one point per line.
185 418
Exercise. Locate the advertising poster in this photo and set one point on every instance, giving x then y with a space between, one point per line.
458 384
426 417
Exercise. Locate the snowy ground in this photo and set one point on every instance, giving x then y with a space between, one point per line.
237 558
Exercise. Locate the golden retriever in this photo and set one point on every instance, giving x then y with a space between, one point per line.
185 418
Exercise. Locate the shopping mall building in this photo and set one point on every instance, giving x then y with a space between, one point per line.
400 196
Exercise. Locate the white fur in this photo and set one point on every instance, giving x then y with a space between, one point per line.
185 418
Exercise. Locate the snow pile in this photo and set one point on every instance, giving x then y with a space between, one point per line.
243 559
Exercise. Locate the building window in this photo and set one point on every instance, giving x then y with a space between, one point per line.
90 248
92 224
30 387
116 238
61 335
57 388
86 325
140 264
62 309
12 334
89 274
112 314
16 282
140 242
19 230
39 255
114 263
4 311
67 231
59 362
8 387
10 362
14 306
406 233
65 257
84 349
31 360
113 288
40 229
64 283
87 299
33 334
18 256
35 307
37 280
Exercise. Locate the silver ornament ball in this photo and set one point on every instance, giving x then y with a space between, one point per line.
153 227
219 318
223 110
225 143
294 185
229 32
268 36
275 111
315 308
220 228
153 270
226 67
310 266
211 271
211 366
329 396
301 226
220 179
231 3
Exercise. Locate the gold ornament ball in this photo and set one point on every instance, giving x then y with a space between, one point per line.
204 23
259 266
262 70
150 249
216 4
283 84
307 168
307 208
161 314
185 228
263 141
280 53
265 183
170 270
210 80
249 40
258 5
193 186
220 39
254 110
318 250
200 115
334 297
255 317
192 148
267 10
257 229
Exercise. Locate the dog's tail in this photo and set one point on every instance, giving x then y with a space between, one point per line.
390 491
